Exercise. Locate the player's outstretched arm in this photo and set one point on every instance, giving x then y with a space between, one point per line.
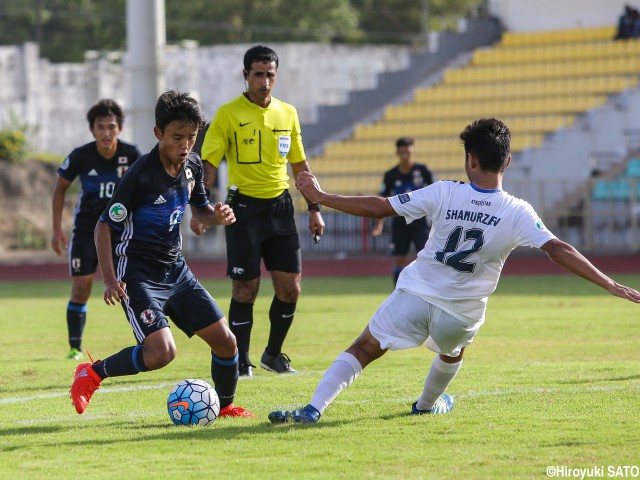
571 259
113 289
362 206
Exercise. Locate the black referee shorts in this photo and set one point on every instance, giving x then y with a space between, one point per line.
264 229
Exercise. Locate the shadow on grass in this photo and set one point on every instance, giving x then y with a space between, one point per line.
221 430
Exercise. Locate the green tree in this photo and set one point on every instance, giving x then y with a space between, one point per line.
401 21
65 29
230 21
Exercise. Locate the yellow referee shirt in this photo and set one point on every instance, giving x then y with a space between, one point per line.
257 143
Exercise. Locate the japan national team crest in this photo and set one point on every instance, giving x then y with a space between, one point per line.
190 181
284 144
148 316
75 264
121 169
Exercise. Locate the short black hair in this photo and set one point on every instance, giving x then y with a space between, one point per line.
404 142
176 106
490 140
259 53
105 108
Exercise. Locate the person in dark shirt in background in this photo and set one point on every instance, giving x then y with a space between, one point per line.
99 164
405 177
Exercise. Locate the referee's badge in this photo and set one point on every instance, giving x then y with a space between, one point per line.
284 144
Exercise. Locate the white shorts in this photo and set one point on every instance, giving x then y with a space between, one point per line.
405 321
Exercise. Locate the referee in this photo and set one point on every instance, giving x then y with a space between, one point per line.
258 134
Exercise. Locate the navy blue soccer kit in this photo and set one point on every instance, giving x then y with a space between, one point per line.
98 178
395 183
144 214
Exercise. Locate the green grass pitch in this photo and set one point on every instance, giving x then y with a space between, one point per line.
552 379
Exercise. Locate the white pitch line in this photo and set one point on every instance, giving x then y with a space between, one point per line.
101 391
492 393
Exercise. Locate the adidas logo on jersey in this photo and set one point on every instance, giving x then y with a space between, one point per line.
159 200
93 172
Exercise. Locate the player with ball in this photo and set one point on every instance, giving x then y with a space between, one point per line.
139 250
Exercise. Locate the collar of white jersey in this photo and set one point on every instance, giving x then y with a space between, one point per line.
482 190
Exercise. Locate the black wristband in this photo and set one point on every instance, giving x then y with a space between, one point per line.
313 207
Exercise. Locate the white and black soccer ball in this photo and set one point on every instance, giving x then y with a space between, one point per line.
193 402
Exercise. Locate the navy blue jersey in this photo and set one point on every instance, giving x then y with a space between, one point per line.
396 182
98 177
147 207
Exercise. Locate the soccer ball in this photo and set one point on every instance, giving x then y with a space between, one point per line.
193 402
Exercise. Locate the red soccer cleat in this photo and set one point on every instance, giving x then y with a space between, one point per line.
233 411
86 381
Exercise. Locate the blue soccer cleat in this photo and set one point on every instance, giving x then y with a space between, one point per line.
307 414
444 404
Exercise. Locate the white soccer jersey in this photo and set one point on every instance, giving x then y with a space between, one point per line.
473 232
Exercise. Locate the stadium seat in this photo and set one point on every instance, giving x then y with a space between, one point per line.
536 82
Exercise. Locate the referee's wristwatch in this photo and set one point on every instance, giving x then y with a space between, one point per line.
313 207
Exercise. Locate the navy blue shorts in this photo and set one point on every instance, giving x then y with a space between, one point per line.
264 229
83 258
157 291
403 234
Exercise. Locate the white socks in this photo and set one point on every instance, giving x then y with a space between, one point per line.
344 370
438 379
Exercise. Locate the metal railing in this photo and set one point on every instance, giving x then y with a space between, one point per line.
592 218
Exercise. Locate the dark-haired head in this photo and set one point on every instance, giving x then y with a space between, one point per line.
105 108
490 141
404 142
176 106
259 53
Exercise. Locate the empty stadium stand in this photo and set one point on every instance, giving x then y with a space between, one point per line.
538 83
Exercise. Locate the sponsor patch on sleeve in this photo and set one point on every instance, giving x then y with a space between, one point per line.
540 225
404 198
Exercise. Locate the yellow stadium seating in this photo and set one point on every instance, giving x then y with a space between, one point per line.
528 89
574 35
535 82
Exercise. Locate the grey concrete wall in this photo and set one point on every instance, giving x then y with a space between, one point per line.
54 98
